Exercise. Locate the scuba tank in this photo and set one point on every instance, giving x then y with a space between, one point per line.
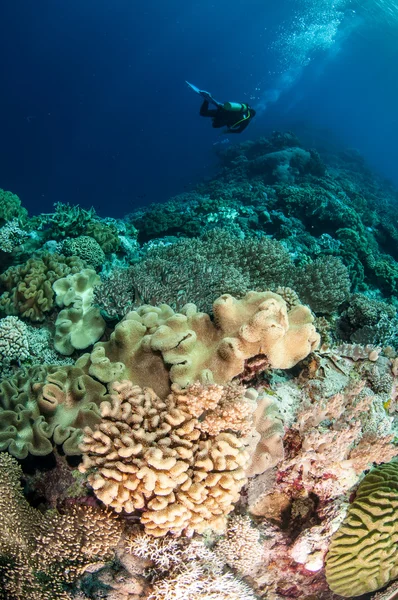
234 106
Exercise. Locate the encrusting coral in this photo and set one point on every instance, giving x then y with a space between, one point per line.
154 345
156 455
39 552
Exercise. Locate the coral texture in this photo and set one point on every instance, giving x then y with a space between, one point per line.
29 286
86 248
156 455
154 345
14 340
43 406
80 324
39 552
362 555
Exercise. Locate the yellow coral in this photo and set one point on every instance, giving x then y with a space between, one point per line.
154 345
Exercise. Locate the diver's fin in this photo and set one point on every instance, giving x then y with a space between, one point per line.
206 95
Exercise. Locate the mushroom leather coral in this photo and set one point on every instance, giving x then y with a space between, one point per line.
154 345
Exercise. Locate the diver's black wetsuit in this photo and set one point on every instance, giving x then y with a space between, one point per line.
228 118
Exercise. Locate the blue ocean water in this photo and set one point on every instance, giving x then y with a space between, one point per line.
94 109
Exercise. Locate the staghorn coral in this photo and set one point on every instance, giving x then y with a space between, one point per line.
80 324
39 552
42 406
154 345
362 555
115 294
14 340
186 568
29 286
153 455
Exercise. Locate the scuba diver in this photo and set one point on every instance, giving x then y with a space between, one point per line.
234 116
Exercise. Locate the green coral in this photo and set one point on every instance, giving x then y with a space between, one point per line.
68 220
106 234
80 323
323 284
86 248
44 406
10 207
362 556
28 287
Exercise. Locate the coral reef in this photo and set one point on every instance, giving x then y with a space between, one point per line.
168 366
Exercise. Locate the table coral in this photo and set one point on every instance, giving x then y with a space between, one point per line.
154 455
154 345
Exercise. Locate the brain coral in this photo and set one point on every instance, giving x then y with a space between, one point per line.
28 287
362 557
87 248
43 406
157 455
154 345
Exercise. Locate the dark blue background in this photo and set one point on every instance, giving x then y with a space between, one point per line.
94 109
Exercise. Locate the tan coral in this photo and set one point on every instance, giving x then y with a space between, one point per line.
40 553
152 454
154 345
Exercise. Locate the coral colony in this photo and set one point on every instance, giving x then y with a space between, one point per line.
199 401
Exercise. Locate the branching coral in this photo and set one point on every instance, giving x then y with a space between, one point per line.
323 284
156 455
241 548
187 569
39 552
11 236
